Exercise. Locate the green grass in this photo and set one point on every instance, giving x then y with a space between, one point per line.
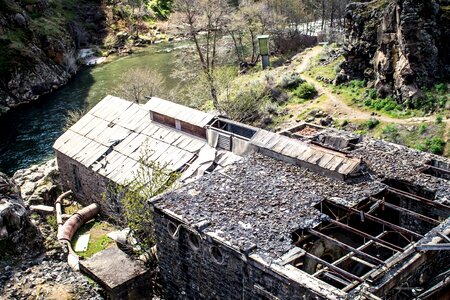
327 71
98 240
356 94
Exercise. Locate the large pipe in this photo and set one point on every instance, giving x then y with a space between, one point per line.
58 207
68 229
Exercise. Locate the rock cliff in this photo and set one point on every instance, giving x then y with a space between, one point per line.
38 45
398 46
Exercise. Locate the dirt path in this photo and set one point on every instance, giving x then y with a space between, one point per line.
334 106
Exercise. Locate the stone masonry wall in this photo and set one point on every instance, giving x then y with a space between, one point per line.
88 187
194 274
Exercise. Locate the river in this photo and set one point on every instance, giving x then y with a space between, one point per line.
27 133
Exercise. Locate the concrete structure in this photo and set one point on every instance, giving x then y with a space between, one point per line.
121 276
274 227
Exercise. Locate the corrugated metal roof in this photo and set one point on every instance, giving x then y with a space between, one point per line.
323 158
110 139
179 112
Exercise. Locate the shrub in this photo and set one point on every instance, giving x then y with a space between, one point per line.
441 88
434 145
245 105
306 91
372 123
358 84
372 94
390 132
74 116
439 119
291 81
422 128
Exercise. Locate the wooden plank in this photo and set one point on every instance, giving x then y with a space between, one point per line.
334 163
376 220
194 145
96 153
406 211
98 130
325 160
100 105
86 119
366 235
316 157
76 144
62 141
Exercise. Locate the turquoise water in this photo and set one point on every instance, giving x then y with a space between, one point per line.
28 132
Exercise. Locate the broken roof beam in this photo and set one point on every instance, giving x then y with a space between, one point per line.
378 220
366 235
433 247
407 211
342 281
420 199
334 268
346 247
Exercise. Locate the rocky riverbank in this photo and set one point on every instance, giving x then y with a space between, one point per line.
32 262
38 45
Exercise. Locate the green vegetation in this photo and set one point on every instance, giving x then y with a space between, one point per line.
98 240
73 117
355 93
434 145
161 8
390 132
372 123
51 220
306 91
128 203
328 71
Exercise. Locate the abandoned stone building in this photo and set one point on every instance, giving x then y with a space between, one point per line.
307 213
314 213
107 143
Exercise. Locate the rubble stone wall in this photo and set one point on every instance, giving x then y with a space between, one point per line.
87 185
194 274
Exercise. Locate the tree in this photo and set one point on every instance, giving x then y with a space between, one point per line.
211 17
127 203
138 84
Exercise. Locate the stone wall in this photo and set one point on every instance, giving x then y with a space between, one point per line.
398 46
87 185
189 272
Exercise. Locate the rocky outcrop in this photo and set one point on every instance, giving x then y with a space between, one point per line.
398 46
17 234
38 46
39 183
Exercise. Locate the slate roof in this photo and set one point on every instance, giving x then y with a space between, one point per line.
259 201
110 138
307 154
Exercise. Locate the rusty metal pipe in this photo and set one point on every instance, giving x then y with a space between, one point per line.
66 231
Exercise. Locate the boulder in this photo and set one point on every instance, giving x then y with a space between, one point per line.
38 184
